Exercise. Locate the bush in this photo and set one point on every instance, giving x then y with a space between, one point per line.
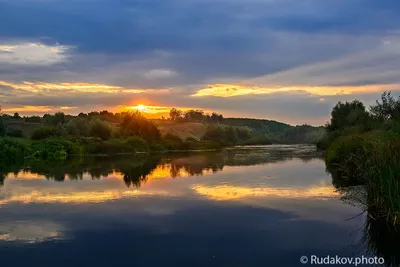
100 129
78 127
55 148
44 132
137 144
3 128
173 142
15 133
12 150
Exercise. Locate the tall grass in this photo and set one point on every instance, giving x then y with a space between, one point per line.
372 159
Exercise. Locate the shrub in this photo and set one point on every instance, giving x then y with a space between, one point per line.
12 149
78 127
137 144
100 129
3 128
173 142
55 148
44 132
15 133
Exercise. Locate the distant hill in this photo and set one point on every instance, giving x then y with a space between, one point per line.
279 132
259 125
263 131
275 132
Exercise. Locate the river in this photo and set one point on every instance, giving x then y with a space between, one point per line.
251 206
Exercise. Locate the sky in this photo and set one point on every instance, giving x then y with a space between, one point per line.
286 60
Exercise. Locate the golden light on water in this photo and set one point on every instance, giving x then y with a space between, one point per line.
225 192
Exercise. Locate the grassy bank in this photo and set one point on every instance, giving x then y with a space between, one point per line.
364 148
14 149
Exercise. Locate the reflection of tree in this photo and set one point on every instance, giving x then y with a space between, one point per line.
137 168
382 239
136 174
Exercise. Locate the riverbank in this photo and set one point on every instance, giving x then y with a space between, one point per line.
366 151
13 149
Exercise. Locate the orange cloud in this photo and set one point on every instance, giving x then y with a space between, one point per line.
33 109
232 90
37 87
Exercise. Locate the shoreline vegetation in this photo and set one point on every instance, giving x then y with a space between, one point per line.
58 136
362 147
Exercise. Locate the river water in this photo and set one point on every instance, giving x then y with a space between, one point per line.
251 206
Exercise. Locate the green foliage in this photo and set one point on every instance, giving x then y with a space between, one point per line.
12 149
3 127
15 133
100 129
33 119
193 115
55 148
61 130
348 114
303 134
78 126
54 120
44 132
259 139
115 146
387 109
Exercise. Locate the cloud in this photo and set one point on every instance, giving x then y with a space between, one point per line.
120 52
32 54
160 74
37 87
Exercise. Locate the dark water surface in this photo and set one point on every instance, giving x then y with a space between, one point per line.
263 206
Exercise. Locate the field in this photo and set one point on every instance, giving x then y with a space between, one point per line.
182 129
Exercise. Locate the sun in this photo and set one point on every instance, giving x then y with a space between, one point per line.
141 107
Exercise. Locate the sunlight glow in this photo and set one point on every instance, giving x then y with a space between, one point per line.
232 90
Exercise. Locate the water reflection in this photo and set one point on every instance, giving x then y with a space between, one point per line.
137 169
380 238
238 207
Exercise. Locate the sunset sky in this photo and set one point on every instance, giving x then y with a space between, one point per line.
287 60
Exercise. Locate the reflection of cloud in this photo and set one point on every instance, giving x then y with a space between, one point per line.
30 232
75 197
226 192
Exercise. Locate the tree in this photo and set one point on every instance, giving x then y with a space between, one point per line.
55 119
100 129
175 114
387 109
347 114
78 126
134 123
16 116
194 115
44 132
